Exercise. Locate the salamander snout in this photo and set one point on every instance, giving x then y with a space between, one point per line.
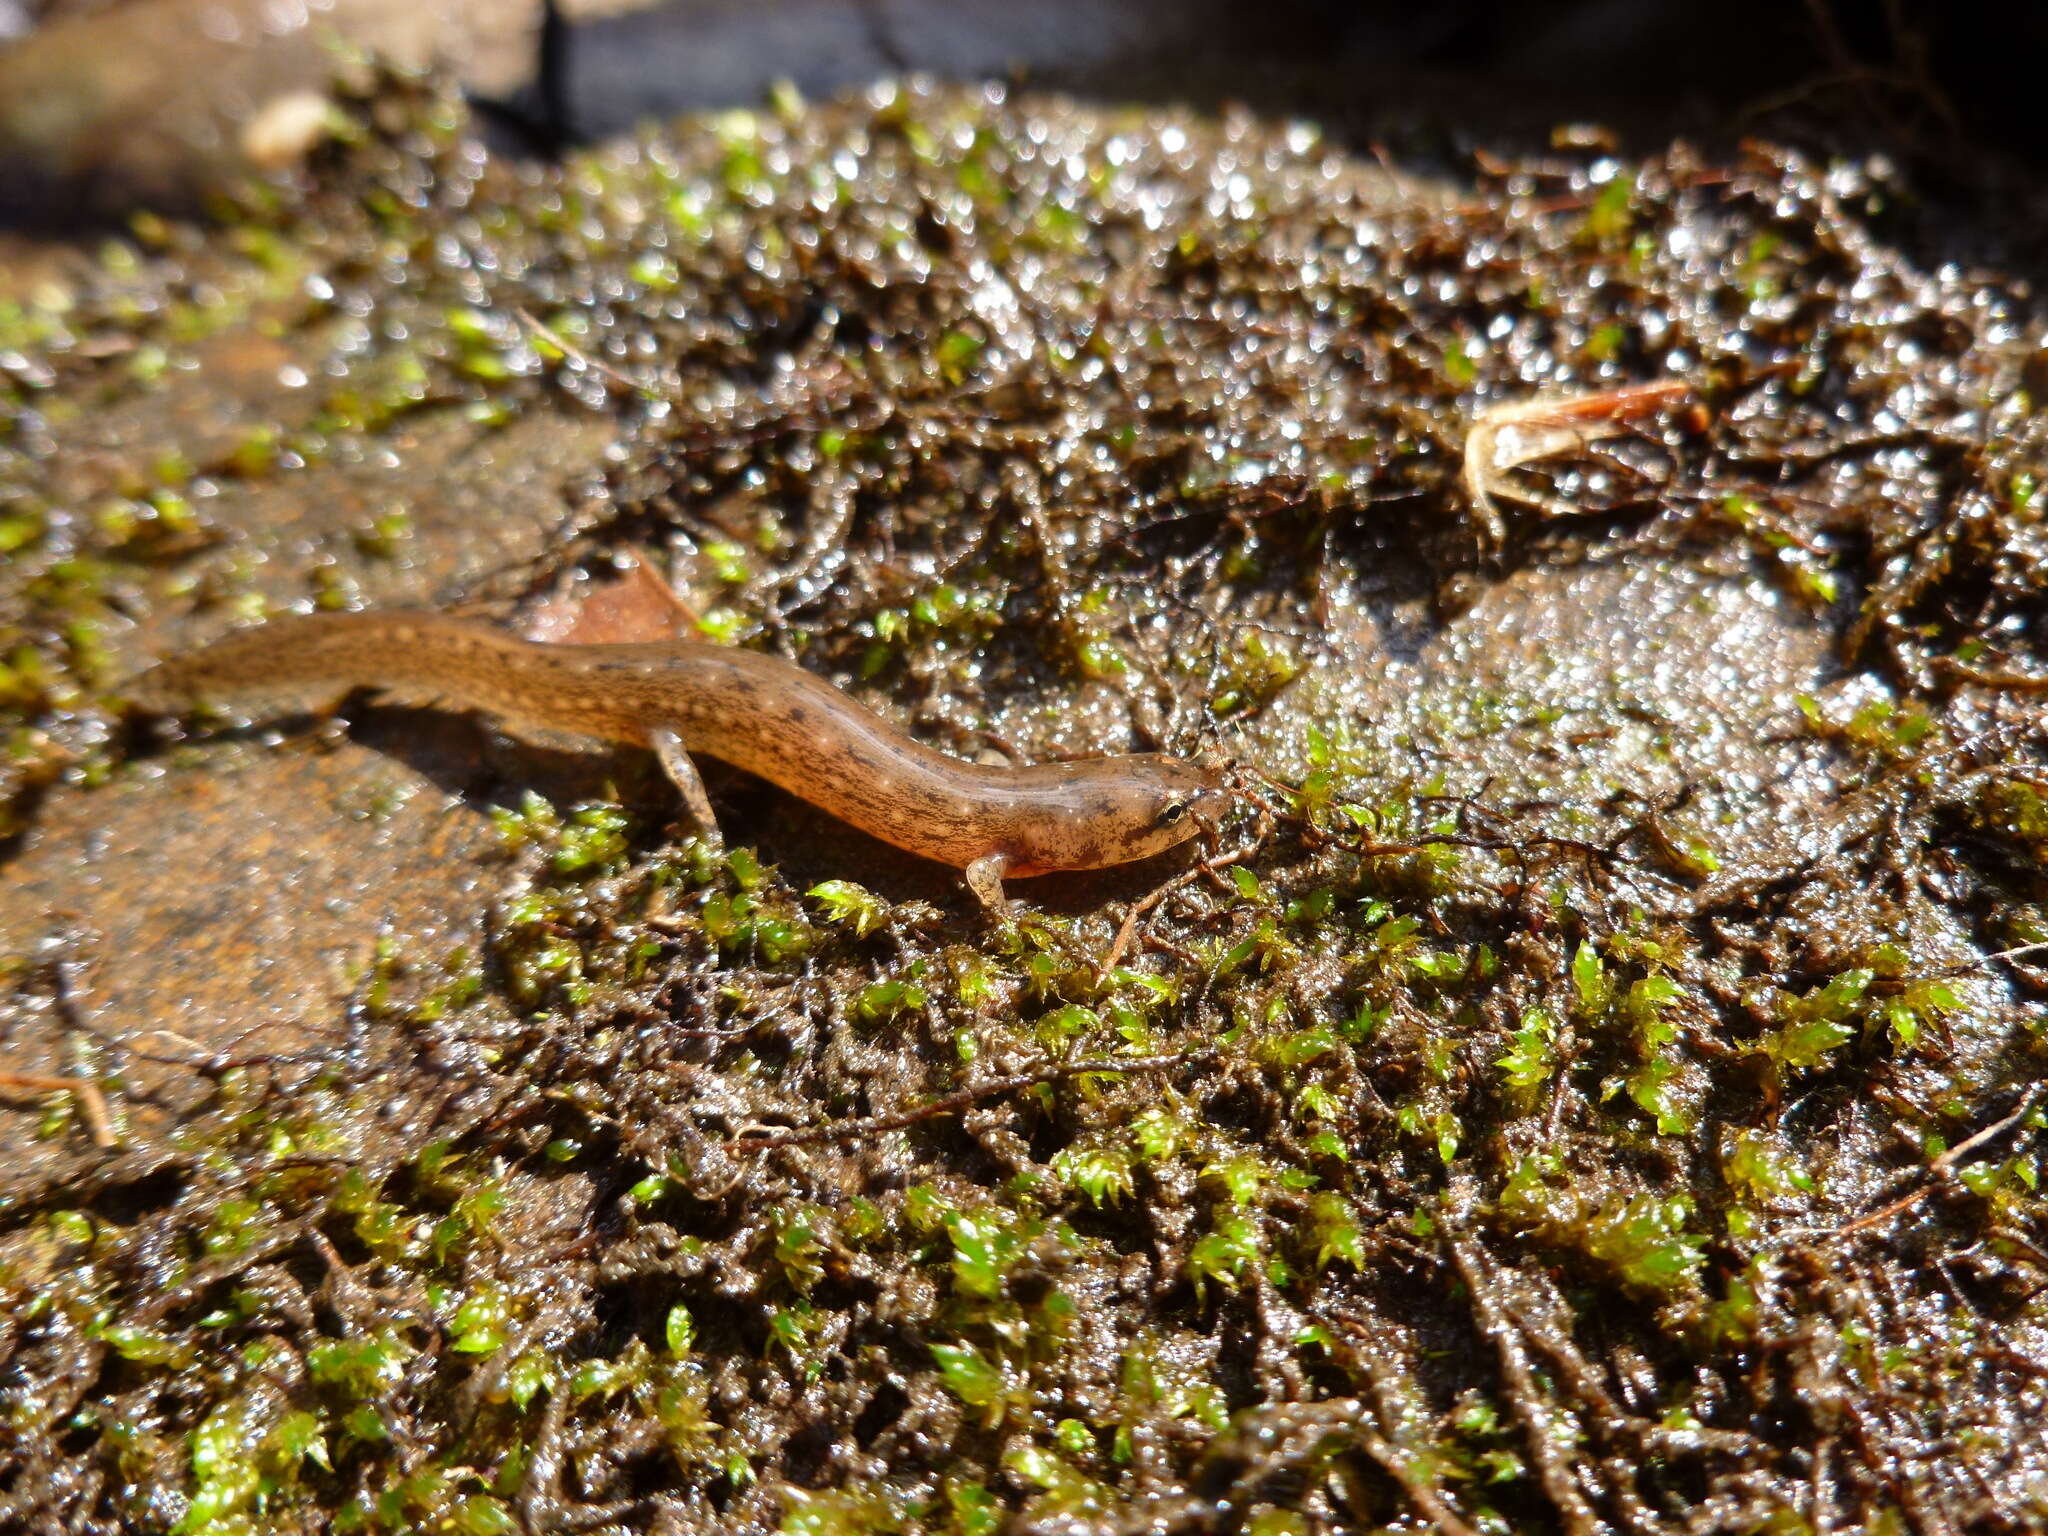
1193 810
1169 801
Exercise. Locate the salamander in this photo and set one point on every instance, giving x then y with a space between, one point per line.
759 713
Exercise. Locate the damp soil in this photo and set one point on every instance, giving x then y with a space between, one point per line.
1591 1083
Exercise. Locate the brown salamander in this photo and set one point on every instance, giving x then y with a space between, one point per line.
756 712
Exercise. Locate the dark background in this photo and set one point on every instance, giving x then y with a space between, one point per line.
106 105
1934 76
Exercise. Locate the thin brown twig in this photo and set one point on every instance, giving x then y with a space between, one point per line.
952 1103
92 1104
2015 682
1340 1419
1982 961
1146 904
1546 1425
1371 1359
1128 926
577 355
1940 1167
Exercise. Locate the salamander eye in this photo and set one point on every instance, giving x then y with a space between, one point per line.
1175 811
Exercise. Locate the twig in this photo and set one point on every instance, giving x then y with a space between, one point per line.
1147 904
1208 866
2016 682
1982 961
952 1103
577 355
1940 1167
1541 1419
92 1103
1333 1422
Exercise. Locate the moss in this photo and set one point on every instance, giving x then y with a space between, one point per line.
1104 1172
848 1512
1641 1240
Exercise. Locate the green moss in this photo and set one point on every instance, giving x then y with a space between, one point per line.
359 1368
1532 1056
1335 1233
1880 728
1640 1239
2013 809
1064 1493
975 1380
802 1235
144 1346
867 1511
1227 1253
883 1001
1256 675
851 906
479 1325
1102 1171
1815 1025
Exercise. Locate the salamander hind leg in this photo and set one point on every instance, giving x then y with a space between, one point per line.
675 762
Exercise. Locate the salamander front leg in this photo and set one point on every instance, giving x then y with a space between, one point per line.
675 762
985 879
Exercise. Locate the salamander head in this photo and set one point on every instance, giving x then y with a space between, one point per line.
1123 808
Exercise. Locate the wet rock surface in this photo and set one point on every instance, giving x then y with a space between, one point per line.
1590 1083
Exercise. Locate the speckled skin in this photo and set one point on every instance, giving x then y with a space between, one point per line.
756 712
